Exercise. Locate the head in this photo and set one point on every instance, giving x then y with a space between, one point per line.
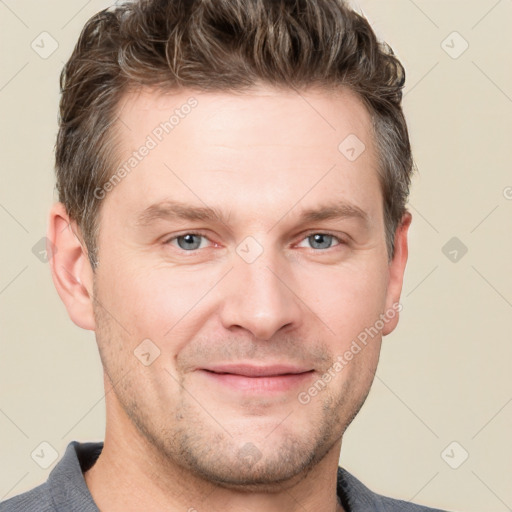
232 180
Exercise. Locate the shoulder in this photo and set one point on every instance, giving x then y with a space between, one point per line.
357 497
36 500
395 505
65 488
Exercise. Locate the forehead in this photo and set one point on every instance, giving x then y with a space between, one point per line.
255 148
314 115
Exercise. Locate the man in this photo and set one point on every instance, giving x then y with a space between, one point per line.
232 225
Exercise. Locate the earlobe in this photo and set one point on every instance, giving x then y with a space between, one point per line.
71 270
396 273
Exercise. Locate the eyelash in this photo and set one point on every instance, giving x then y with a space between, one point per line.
307 235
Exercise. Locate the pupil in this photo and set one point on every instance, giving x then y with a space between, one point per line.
187 242
322 240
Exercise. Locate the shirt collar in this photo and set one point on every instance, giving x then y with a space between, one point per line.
66 482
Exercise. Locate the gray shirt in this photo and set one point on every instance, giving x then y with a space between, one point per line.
66 490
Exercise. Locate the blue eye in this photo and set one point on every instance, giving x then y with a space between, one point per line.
188 241
322 240
191 241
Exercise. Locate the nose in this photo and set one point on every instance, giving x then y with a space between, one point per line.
259 298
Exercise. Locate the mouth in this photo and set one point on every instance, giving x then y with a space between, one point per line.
257 379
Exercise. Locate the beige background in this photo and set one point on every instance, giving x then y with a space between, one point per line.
444 374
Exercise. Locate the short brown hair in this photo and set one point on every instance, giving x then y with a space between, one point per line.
222 45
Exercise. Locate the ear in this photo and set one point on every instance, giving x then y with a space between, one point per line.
71 270
396 271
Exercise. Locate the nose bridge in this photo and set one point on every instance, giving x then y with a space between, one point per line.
257 298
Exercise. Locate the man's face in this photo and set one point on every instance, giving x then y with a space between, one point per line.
230 304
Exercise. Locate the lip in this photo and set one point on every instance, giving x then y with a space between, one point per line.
250 370
257 379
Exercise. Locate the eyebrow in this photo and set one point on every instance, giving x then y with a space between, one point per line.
171 210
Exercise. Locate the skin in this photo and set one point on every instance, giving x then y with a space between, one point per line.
174 439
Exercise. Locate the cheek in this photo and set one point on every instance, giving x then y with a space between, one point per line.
158 302
348 299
